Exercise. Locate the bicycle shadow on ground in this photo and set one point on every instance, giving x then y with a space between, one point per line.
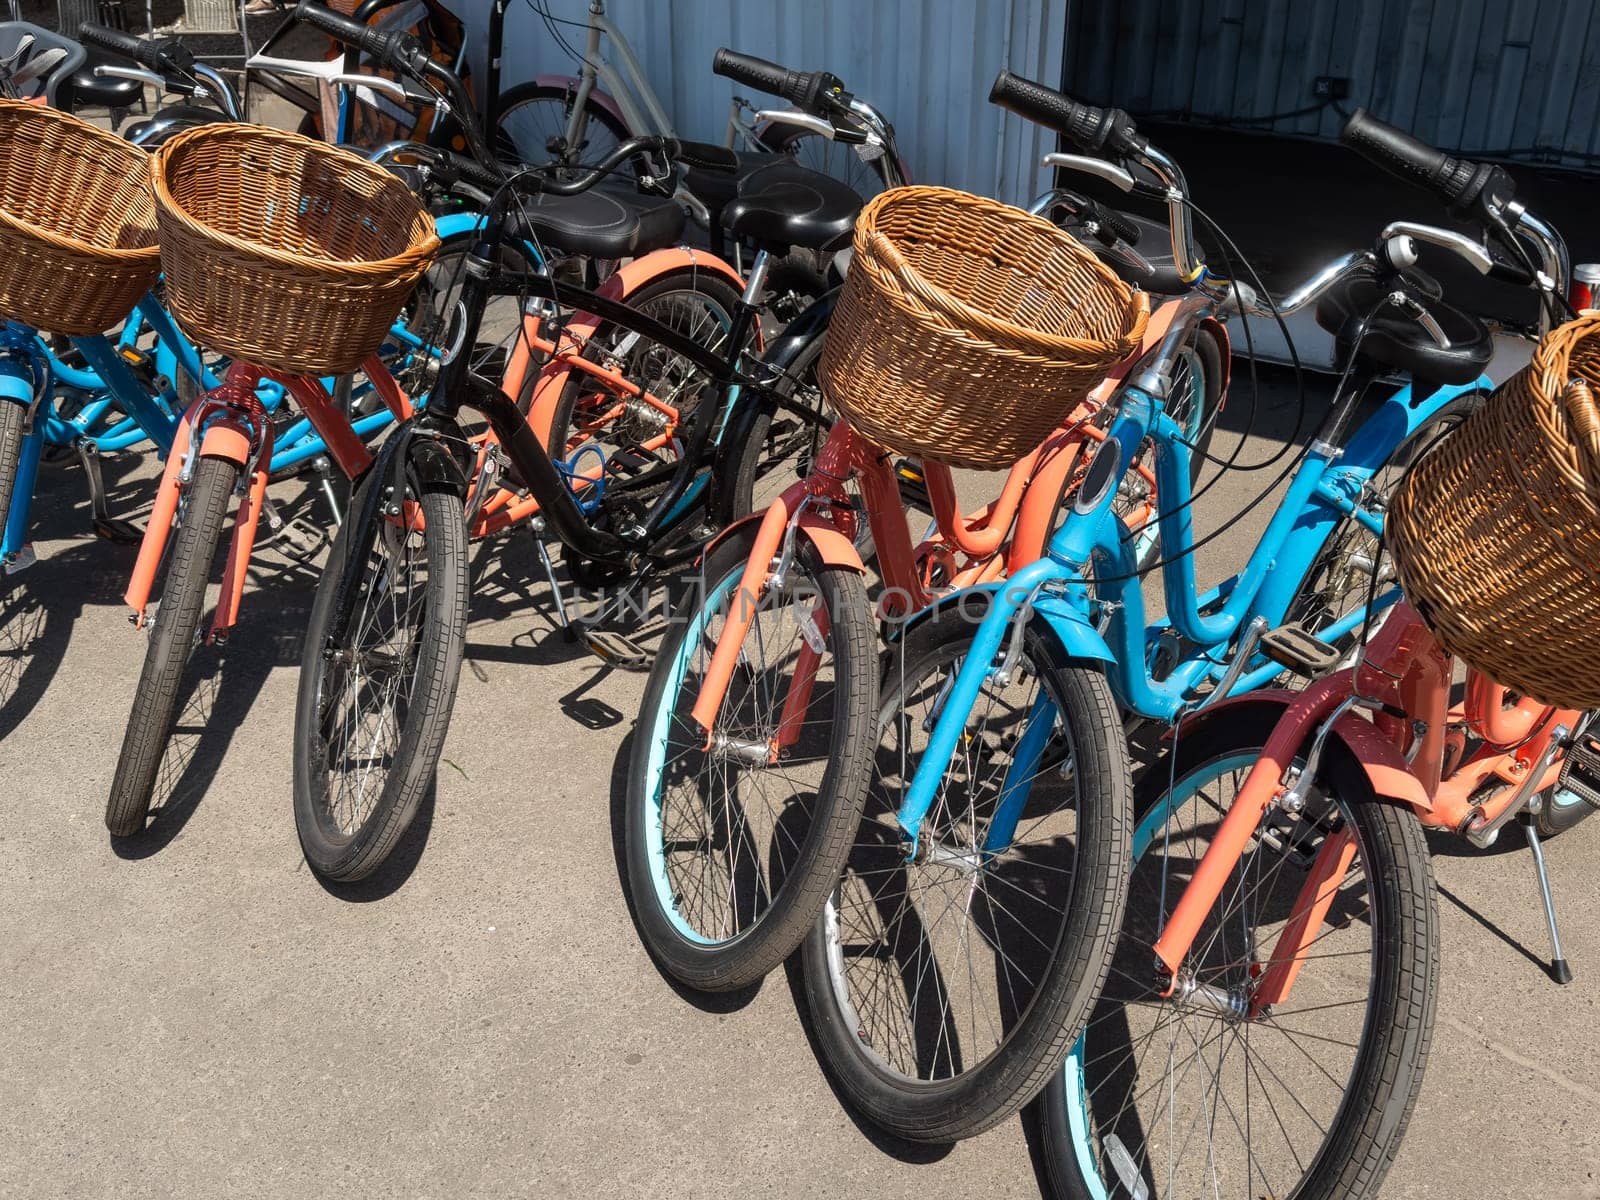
40 605
711 1002
508 582
1443 845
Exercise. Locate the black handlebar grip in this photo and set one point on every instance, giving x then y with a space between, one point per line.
381 44
148 54
1113 221
469 170
1396 151
1090 128
799 88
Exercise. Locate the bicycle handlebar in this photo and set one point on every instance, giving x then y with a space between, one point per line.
1459 182
385 45
800 88
1090 128
164 56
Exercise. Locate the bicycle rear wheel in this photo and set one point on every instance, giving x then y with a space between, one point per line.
374 705
1191 1096
173 636
733 842
946 987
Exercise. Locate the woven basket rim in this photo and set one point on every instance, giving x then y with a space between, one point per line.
16 112
415 256
962 317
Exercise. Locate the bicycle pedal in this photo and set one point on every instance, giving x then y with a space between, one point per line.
1293 647
913 485
616 650
300 539
114 529
1580 770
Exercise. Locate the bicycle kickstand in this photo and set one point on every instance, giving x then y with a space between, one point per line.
112 529
1559 970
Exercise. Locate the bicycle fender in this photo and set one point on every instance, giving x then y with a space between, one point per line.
604 99
800 332
226 437
430 466
1356 739
630 278
1076 637
832 547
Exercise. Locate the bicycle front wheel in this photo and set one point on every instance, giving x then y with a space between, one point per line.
734 839
173 636
1192 1095
946 985
374 704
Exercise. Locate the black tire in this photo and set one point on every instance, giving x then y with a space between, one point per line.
341 844
1380 1084
517 125
700 305
779 889
12 416
1340 577
172 641
935 1076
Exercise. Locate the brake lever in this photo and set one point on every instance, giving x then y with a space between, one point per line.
800 120
1116 176
1458 244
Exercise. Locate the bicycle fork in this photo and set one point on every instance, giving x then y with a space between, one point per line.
24 381
228 422
1274 781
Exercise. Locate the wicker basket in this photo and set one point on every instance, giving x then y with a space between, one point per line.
282 251
1496 534
967 329
77 226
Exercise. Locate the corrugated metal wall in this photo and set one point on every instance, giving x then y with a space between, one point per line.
1472 75
927 64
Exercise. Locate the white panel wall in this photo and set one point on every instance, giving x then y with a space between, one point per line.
927 64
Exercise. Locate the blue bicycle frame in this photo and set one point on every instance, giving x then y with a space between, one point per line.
26 359
1101 616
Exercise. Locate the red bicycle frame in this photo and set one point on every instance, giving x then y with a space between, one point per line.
1413 751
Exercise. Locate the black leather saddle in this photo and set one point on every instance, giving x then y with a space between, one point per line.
608 221
782 204
85 87
1398 340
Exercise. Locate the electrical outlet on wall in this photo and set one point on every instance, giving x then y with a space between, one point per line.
1331 87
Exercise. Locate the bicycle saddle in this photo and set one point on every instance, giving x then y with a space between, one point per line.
783 204
715 188
1397 340
608 221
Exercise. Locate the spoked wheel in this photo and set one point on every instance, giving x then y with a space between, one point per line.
620 444
947 983
734 840
533 123
173 636
865 176
375 702
1196 1095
